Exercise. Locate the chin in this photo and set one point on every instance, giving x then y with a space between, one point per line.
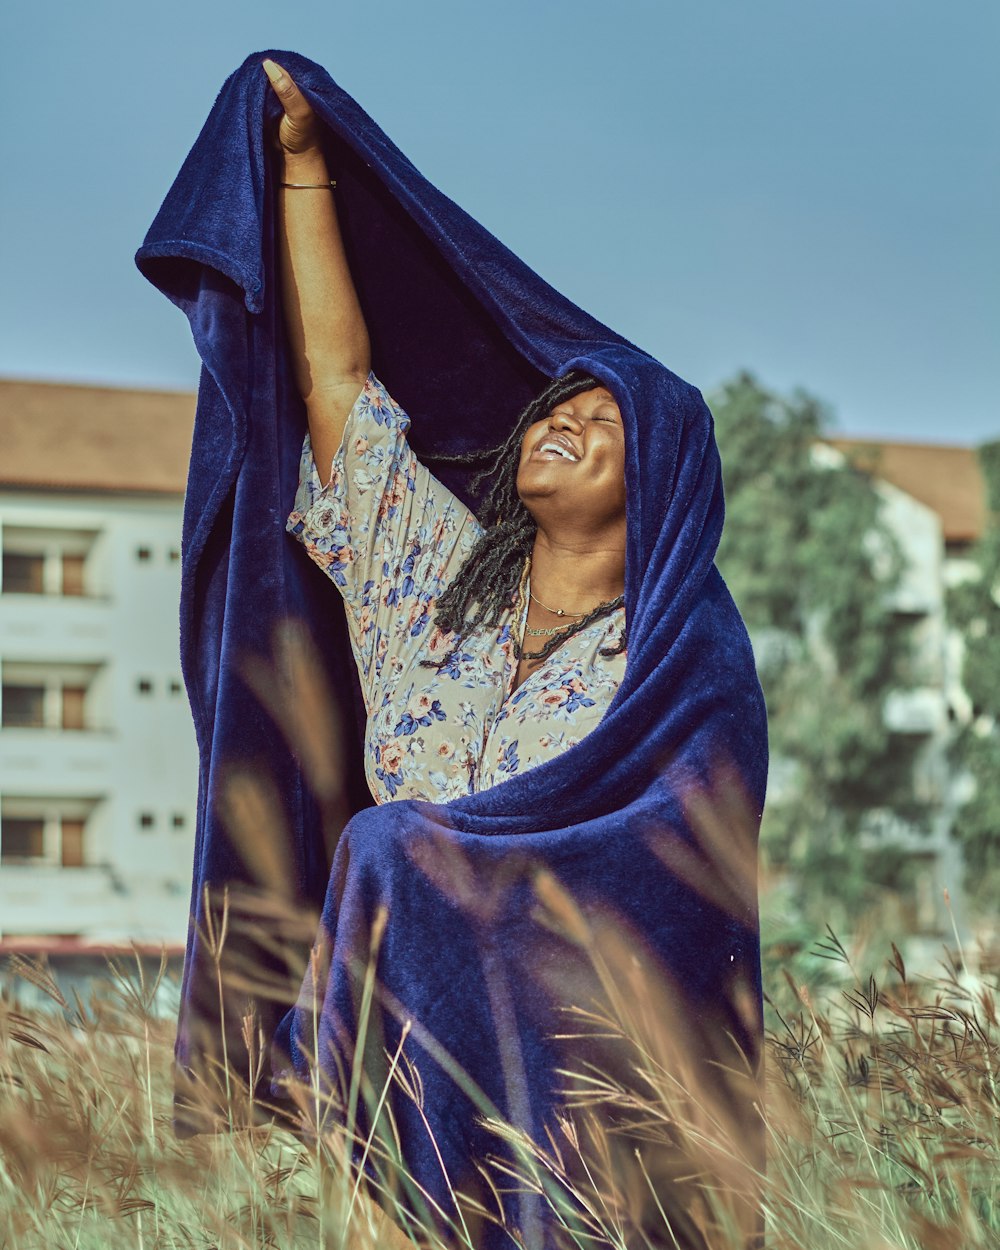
536 493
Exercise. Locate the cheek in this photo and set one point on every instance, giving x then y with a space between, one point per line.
614 457
526 445
530 435
618 473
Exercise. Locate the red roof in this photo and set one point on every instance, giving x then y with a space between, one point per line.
65 436
947 479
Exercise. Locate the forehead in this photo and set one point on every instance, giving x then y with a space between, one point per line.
596 394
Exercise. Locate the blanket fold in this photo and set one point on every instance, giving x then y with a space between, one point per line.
455 906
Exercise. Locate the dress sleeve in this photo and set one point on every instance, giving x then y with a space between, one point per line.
385 531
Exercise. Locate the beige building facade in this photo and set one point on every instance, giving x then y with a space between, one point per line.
98 766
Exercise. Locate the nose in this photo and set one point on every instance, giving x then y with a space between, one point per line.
564 418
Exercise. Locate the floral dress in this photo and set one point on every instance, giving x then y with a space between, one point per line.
391 537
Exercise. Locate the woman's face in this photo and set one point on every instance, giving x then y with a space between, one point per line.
573 462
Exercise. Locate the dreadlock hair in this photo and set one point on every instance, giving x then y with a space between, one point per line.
484 586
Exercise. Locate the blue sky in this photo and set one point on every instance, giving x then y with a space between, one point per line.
808 191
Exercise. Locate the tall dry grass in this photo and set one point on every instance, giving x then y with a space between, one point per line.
880 1103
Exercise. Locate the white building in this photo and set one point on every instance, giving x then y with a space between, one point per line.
98 765
933 500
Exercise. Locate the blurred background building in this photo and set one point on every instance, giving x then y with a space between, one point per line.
98 766
934 503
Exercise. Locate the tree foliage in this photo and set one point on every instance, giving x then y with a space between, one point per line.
974 609
812 567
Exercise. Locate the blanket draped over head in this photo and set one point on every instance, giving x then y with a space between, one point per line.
486 909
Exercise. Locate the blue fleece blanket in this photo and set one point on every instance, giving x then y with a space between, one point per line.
463 334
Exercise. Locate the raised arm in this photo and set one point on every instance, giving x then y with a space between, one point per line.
326 328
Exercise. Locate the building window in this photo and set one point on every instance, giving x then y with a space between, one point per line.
178 820
175 687
73 707
23 707
45 832
22 840
43 695
72 843
42 561
72 574
146 820
144 685
174 555
143 553
23 574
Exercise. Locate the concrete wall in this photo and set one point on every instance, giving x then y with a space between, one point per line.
130 774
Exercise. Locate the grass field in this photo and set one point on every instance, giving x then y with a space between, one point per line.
881 1103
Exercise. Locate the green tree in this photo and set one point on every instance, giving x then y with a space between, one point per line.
974 608
812 567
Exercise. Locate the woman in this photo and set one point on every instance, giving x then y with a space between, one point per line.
440 608
606 767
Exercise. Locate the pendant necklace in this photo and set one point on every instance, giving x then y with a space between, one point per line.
557 629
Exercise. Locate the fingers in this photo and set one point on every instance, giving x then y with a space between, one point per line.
294 103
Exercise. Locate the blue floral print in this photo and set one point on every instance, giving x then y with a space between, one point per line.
391 537
410 723
509 763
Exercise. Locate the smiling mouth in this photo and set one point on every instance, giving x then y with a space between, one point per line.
550 450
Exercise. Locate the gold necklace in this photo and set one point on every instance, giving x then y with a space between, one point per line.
554 611
555 629
537 633
559 629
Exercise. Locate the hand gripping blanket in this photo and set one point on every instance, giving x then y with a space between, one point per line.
460 961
